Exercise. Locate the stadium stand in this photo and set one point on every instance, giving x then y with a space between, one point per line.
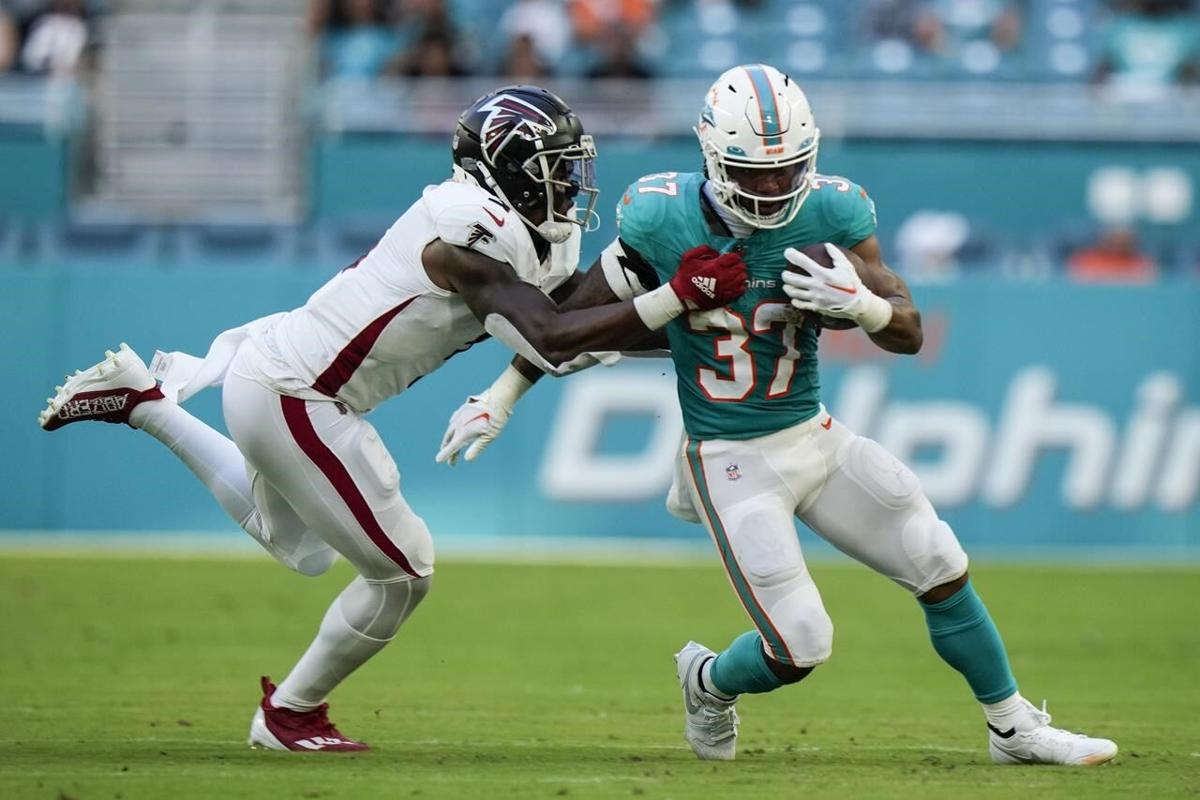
282 129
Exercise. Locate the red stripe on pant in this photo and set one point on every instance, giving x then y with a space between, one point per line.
295 413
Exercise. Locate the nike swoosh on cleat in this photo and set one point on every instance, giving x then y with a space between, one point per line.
1008 734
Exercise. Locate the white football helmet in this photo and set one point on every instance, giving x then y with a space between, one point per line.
755 117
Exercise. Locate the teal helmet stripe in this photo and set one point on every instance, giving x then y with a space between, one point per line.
767 108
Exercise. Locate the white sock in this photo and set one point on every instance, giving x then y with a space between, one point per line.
340 648
707 685
1011 712
213 458
337 651
376 611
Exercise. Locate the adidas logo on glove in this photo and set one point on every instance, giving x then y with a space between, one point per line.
706 285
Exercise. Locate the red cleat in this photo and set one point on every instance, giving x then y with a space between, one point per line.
299 731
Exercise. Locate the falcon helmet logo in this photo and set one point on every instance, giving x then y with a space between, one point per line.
479 233
509 116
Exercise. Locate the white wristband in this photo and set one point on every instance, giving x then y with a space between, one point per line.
658 307
876 314
508 388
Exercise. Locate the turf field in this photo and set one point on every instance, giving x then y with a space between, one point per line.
124 677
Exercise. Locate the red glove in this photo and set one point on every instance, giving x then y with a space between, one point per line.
708 279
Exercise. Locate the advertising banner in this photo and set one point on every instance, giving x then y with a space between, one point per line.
1043 418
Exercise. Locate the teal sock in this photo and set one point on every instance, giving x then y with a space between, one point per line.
965 637
742 668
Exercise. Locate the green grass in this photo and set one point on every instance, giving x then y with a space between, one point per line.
125 677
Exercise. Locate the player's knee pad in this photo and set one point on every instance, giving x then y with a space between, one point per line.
418 543
801 620
411 536
377 609
933 549
797 630
901 534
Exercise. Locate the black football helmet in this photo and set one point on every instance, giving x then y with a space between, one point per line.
527 147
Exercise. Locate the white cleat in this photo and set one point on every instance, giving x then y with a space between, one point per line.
710 723
105 392
1036 742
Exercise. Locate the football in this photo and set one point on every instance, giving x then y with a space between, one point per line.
819 254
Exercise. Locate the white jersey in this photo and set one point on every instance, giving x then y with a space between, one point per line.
381 324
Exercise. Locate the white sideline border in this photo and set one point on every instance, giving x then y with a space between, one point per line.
461 547
548 549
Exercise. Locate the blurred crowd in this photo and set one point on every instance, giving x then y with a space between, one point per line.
941 246
44 37
1141 41
1132 47
439 38
1125 43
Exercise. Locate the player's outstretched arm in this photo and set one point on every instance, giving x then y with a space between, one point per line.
478 421
532 324
588 289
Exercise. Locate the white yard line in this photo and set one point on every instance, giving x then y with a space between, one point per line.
624 551
513 743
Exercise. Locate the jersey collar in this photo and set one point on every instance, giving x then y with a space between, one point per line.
720 220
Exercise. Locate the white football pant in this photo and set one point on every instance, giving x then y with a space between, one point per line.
845 487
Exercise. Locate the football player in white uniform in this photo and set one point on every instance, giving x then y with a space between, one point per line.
761 451
304 473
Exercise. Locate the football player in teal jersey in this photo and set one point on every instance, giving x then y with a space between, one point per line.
760 450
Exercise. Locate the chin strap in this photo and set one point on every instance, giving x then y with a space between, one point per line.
553 232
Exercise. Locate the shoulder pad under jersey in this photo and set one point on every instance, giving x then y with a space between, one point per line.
845 207
469 217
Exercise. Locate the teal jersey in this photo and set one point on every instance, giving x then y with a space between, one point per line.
748 369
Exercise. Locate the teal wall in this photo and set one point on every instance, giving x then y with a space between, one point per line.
34 170
1042 418
1015 190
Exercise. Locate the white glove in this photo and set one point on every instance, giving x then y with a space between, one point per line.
479 421
835 291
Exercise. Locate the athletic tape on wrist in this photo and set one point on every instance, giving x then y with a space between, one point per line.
507 389
876 314
658 307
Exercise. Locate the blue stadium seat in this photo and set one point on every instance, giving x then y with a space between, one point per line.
231 244
341 242
76 241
